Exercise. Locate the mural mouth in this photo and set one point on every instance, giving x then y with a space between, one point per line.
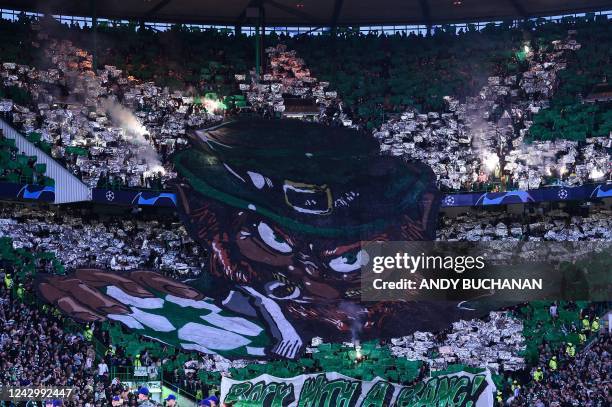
356 294
353 293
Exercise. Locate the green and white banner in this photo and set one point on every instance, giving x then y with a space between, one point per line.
157 307
460 389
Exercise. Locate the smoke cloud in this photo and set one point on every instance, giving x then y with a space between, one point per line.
356 315
135 134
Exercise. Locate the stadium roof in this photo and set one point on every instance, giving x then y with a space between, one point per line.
323 13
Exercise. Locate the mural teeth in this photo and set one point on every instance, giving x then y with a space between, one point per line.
353 293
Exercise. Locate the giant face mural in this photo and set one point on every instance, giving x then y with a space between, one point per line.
282 208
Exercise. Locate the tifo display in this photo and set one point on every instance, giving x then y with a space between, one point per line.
188 212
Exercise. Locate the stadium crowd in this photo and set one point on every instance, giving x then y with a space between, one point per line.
36 349
474 133
536 225
480 144
569 379
118 124
88 238
109 129
83 237
377 73
289 89
31 334
92 374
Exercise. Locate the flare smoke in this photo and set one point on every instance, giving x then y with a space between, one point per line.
356 314
134 133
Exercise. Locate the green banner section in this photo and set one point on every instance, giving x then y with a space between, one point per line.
459 389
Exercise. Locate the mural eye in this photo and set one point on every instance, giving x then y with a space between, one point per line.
349 261
280 291
272 239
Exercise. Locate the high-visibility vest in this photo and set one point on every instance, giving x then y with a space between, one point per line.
552 364
538 375
137 362
499 397
595 325
582 338
20 292
88 334
586 326
8 282
570 350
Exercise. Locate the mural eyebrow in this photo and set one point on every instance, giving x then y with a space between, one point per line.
340 250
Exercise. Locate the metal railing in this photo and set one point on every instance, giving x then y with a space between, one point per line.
512 187
387 29
126 374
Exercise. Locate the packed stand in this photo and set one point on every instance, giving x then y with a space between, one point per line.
288 89
89 115
505 342
36 349
482 143
40 347
363 361
197 374
201 374
179 58
571 358
582 380
82 238
106 127
376 73
551 225
494 124
581 105
494 342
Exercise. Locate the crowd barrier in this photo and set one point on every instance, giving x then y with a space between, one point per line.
136 197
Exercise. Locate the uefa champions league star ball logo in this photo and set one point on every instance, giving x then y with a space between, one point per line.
449 200
563 193
110 195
